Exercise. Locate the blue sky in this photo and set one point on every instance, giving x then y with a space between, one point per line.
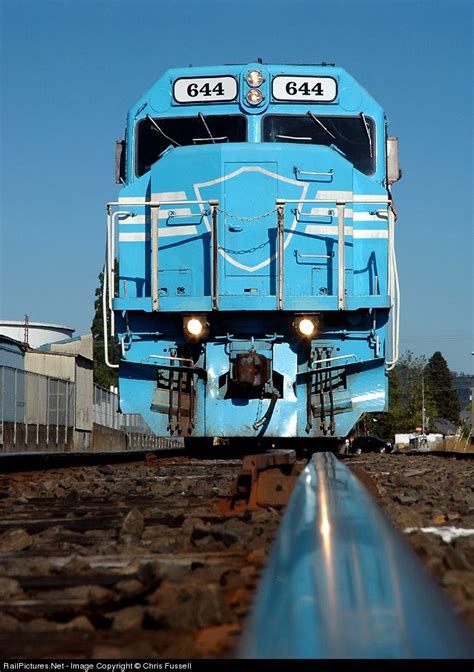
70 69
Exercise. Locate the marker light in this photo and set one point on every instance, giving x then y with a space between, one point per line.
254 78
306 327
254 96
194 327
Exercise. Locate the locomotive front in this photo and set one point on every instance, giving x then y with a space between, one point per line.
256 253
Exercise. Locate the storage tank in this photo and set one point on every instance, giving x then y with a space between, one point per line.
39 333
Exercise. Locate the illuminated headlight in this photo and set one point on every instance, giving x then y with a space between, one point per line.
254 78
254 96
195 327
306 327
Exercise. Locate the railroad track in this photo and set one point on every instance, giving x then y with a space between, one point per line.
148 560
340 582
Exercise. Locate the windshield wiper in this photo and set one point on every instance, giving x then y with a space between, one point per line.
338 150
367 131
157 128
201 117
293 137
221 138
320 123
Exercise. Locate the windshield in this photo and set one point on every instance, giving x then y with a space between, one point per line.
155 135
347 134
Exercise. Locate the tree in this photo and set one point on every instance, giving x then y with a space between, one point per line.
405 400
440 388
103 375
410 372
413 379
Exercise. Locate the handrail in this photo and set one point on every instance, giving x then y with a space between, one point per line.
394 292
214 256
297 170
104 318
341 256
155 305
355 199
281 252
132 201
341 583
109 267
341 203
111 262
107 290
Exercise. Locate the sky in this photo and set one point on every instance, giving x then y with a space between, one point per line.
70 69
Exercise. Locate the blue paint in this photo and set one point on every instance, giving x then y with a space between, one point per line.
247 178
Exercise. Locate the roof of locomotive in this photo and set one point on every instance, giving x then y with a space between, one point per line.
164 83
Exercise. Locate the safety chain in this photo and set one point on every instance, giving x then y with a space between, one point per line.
247 219
249 251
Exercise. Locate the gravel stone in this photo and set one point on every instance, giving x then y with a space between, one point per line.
129 588
8 623
130 618
406 499
41 625
132 527
9 588
105 469
80 624
96 595
153 573
14 540
189 607
257 557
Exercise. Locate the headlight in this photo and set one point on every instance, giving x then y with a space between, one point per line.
195 327
254 96
306 327
254 78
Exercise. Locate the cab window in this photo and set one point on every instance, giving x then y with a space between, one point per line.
155 135
354 137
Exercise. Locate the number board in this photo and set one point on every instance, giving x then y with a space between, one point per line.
205 89
304 89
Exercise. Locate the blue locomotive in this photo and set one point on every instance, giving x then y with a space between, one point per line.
257 272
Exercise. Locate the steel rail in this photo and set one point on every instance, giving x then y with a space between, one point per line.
341 583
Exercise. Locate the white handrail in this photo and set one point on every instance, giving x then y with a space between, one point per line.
394 293
106 289
341 256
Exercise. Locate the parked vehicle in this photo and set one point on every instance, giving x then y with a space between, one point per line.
366 444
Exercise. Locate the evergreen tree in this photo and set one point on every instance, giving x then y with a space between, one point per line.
405 396
440 389
410 373
103 375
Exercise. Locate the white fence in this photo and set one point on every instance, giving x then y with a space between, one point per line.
106 413
140 435
38 410
35 405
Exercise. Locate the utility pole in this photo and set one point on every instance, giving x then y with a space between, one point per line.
423 417
471 433
26 331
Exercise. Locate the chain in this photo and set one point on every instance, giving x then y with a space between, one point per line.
250 249
248 219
